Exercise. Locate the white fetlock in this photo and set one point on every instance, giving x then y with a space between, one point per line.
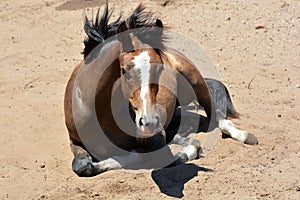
242 136
228 127
191 151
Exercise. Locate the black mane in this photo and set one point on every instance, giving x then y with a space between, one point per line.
146 28
98 31
140 18
144 23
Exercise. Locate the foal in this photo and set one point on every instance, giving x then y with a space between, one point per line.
143 79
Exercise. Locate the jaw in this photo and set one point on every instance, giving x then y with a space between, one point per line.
154 142
156 136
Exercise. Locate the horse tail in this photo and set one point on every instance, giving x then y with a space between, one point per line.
222 102
231 111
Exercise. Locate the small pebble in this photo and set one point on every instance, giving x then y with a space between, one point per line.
260 26
96 195
264 194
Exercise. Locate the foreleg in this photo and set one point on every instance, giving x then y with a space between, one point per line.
83 164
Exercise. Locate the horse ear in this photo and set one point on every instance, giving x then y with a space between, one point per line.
122 37
159 23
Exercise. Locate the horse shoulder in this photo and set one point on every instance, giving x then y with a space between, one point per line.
69 120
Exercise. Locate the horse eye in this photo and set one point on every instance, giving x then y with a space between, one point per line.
131 65
123 70
134 108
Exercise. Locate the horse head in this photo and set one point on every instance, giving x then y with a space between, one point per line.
141 65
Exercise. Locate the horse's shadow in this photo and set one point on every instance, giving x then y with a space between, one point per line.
171 180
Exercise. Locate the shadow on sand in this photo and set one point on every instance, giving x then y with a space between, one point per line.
171 180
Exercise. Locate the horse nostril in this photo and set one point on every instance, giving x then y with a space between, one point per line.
143 122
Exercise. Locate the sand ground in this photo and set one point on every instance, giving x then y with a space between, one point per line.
41 43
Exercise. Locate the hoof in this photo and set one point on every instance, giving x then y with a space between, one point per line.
87 170
252 140
200 153
197 144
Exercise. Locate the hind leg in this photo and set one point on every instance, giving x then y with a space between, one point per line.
223 108
228 127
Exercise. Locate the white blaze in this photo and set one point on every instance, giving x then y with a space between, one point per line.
142 62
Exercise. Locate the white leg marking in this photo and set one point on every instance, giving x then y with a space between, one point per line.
228 126
142 63
191 151
118 162
108 164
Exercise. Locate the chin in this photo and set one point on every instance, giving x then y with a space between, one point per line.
156 140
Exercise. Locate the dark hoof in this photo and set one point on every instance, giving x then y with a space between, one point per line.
86 170
200 153
197 144
252 140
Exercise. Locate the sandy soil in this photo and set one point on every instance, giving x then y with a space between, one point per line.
40 45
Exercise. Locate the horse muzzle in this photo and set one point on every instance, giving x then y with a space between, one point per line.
148 127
